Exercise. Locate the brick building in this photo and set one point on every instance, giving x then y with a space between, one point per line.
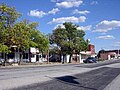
108 55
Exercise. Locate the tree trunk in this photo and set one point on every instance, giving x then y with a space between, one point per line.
29 56
76 58
60 57
70 58
80 60
48 57
42 57
20 60
4 63
63 60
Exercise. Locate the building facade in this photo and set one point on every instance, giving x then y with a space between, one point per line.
109 54
30 55
78 58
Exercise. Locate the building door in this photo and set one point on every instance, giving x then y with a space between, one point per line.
37 57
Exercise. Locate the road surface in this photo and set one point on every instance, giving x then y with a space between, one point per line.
97 76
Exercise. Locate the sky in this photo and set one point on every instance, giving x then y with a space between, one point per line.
100 19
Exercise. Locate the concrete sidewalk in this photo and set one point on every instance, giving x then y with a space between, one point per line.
34 65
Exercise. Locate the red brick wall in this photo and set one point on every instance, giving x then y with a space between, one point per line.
91 48
104 55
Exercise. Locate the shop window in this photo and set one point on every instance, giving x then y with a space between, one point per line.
25 56
112 56
32 55
11 55
40 56
1 55
44 56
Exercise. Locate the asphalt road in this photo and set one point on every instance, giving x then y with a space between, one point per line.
60 77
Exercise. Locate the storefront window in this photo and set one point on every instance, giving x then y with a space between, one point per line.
32 55
25 56
11 55
1 55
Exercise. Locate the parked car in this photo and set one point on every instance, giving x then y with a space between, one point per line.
90 60
118 57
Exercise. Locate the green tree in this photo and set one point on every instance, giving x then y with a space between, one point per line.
41 40
69 39
37 39
26 36
8 16
22 34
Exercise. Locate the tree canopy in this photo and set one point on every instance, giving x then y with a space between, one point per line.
23 34
69 39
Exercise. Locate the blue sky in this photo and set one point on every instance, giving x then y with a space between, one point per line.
100 19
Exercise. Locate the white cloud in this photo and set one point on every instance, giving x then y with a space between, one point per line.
85 12
70 3
64 0
59 25
85 28
72 19
36 13
116 44
106 37
94 3
54 11
106 26
79 28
